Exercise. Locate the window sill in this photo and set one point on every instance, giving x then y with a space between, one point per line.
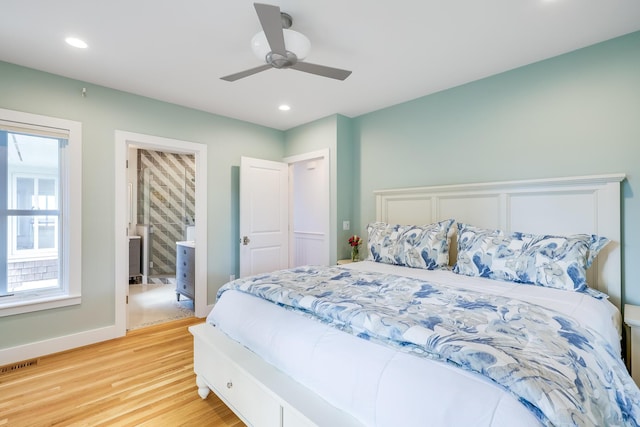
10 306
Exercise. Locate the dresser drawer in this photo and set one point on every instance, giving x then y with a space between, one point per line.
185 288
185 263
185 270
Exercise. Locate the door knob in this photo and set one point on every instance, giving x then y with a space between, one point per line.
245 240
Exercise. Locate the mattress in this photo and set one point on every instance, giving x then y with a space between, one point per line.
380 385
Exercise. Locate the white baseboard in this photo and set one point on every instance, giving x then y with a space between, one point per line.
54 345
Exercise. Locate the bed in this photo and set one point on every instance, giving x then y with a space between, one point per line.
439 339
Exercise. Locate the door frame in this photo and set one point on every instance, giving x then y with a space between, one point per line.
291 160
123 141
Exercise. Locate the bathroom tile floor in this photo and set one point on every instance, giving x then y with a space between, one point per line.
154 303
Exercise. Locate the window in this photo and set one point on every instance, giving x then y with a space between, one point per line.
40 168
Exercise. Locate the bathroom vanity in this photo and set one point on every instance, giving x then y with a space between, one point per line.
134 258
185 269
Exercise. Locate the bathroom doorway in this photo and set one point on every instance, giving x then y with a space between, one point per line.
158 199
163 215
163 186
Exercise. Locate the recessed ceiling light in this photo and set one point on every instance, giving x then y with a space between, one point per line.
284 107
75 42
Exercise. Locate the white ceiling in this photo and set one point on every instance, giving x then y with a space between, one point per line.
176 51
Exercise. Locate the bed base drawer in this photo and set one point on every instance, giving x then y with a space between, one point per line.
239 391
254 390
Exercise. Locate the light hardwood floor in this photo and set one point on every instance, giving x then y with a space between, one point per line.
143 379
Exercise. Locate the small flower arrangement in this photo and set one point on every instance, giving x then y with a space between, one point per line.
355 241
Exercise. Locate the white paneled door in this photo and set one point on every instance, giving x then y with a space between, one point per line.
264 218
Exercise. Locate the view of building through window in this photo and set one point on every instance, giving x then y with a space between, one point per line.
31 172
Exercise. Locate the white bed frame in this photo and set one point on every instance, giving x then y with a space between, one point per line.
261 395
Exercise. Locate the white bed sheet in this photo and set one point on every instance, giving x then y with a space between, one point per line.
381 386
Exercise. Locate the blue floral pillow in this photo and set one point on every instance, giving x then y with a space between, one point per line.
559 262
382 241
425 246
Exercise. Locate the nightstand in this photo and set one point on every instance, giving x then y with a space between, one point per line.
632 320
344 261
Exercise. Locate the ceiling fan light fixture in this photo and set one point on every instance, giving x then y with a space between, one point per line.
294 42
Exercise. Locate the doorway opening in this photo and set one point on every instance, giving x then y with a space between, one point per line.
309 207
162 220
163 208
160 192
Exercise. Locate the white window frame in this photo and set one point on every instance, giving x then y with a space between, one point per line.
69 291
16 254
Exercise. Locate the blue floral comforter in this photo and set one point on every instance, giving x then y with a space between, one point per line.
567 375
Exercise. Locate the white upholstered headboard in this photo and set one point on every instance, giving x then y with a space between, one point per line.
574 205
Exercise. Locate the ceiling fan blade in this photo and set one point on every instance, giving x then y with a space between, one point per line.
245 73
271 22
321 70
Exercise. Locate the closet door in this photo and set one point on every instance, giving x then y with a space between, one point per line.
264 219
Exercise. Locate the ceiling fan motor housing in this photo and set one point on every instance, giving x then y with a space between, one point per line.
278 61
287 20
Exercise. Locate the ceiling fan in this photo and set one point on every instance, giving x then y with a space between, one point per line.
281 47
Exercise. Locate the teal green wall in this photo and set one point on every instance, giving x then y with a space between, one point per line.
576 114
314 136
347 183
101 113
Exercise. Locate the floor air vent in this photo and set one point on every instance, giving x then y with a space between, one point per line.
19 365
